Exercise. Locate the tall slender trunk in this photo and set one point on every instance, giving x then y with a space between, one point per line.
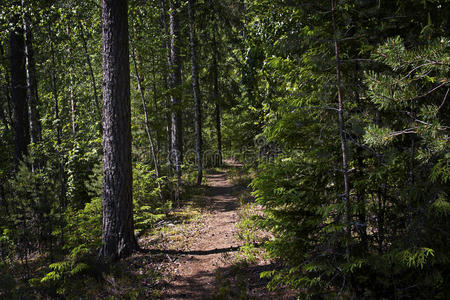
361 192
19 90
32 86
360 198
412 152
196 93
167 107
174 83
216 96
147 125
380 195
345 196
72 101
156 111
118 238
61 172
91 71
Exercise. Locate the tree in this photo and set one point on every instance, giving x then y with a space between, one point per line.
174 85
146 121
117 229
216 96
19 90
33 97
196 93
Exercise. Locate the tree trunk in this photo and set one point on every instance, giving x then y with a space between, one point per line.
174 83
19 90
117 229
61 171
217 99
196 94
147 125
72 102
380 196
168 126
167 107
345 196
156 112
91 71
33 97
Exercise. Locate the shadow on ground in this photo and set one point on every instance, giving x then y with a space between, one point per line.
223 195
238 281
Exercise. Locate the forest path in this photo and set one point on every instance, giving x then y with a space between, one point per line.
197 253
211 243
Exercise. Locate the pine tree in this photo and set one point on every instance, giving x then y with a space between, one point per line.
117 230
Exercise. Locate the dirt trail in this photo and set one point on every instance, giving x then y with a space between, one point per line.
199 257
196 274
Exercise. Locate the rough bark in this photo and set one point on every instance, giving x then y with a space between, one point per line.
117 229
19 90
174 83
196 94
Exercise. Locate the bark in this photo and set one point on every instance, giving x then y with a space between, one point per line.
174 83
196 93
216 96
19 91
117 229
32 86
343 139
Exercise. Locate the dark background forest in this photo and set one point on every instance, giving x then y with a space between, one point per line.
111 112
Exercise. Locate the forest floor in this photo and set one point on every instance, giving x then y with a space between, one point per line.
208 249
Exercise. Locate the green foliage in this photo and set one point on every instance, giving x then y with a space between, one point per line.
415 259
300 214
395 128
148 206
82 240
277 84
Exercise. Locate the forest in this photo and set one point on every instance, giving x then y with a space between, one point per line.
232 149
